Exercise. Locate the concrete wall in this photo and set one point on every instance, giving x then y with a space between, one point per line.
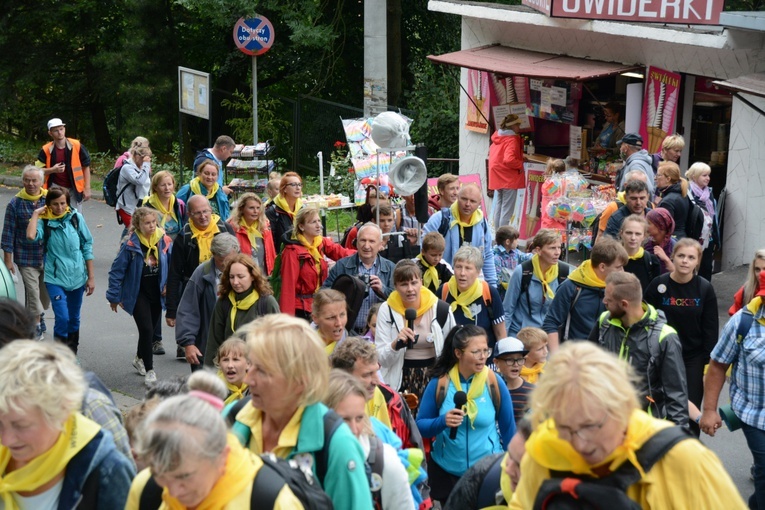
744 225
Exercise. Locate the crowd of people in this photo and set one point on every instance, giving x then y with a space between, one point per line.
452 360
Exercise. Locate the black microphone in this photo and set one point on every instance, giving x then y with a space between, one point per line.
460 399
410 314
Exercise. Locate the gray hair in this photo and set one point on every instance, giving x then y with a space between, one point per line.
180 427
43 375
30 169
224 244
367 225
208 382
469 254
636 175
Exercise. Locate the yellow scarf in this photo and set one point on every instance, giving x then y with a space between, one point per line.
464 299
585 275
253 232
153 200
330 348
236 392
431 273
546 278
244 304
531 375
475 392
313 249
638 255
475 218
280 201
48 214
239 472
755 305
77 433
377 407
196 188
204 237
152 243
32 198
427 301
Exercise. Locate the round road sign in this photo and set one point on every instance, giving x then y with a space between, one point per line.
254 36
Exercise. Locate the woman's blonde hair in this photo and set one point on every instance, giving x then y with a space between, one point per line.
140 150
687 242
579 373
233 345
139 215
697 170
324 297
752 284
139 141
302 217
675 141
207 162
237 212
672 171
290 347
343 385
44 375
157 179
634 218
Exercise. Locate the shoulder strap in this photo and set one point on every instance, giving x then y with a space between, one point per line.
331 423
446 217
563 270
46 232
231 412
486 294
151 496
527 268
262 306
568 316
376 456
487 493
744 324
266 486
659 444
443 383
442 313
444 291
496 396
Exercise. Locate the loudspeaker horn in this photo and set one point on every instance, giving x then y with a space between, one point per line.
407 175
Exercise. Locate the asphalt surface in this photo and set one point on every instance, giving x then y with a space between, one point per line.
108 340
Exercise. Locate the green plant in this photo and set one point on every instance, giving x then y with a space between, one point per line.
344 178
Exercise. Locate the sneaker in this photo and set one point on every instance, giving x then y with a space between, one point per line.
39 333
180 352
157 348
151 378
138 364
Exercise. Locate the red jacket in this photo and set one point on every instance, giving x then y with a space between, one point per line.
268 245
738 302
299 278
506 162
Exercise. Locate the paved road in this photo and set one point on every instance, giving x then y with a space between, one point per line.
108 340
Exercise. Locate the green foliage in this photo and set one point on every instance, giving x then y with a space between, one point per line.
270 125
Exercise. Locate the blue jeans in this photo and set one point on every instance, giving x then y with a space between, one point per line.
755 439
66 306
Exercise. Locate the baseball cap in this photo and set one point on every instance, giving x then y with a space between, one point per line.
512 345
55 123
631 139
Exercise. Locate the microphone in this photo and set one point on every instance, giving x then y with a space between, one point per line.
410 314
460 399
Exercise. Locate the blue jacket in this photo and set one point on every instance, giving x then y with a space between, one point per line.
219 202
127 269
101 469
482 239
350 266
585 314
455 456
67 250
516 305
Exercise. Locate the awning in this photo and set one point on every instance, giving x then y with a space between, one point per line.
749 84
511 61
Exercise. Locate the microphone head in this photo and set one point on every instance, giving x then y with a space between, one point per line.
410 314
460 399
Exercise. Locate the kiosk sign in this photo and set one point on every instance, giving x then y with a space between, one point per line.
694 12
253 36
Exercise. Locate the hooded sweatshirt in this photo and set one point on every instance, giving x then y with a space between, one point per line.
506 161
640 160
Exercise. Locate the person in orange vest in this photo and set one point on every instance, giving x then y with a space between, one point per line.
66 163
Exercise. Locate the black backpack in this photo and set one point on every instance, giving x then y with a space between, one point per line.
111 195
694 223
570 491
355 291
527 271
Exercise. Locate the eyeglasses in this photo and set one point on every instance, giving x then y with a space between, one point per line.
295 184
201 213
513 362
585 433
480 353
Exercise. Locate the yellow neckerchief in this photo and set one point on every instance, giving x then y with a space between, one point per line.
475 218
546 278
330 348
287 442
78 431
48 214
622 197
253 231
239 472
638 255
504 483
377 407
196 188
585 275
313 249
427 300
464 299
281 202
755 305
204 237
431 273
32 198
554 453
152 243
242 304
531 375
475 392
153 200
237 392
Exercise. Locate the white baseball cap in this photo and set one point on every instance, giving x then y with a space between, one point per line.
510 345
55 123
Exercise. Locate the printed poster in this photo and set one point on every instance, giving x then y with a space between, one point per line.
478 110
662 89
511 94
527 215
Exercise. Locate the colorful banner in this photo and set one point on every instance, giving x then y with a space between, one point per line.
464 179
662 89
527 215
478 90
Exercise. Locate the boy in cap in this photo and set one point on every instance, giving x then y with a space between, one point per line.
510 358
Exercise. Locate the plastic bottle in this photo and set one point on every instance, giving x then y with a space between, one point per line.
531 148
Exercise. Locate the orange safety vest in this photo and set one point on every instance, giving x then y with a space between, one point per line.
77 174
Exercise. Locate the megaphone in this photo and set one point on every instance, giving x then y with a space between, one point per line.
407 175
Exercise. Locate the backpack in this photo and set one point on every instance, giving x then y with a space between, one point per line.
375 465
347 232
707 231
490 493
111 195
569 491
485 294
595 225
355 291
695 223
527 271
446 218
75 220
744 325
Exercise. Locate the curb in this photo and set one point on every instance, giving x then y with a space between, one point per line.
124 402
15 182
